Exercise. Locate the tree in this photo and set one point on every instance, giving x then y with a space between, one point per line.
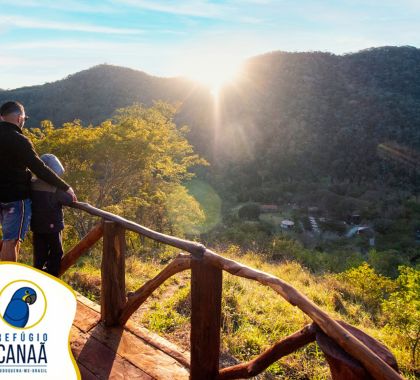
365 285
135 164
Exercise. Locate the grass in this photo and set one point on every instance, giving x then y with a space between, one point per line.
274 219
254 317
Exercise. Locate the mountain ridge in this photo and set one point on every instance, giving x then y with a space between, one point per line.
289 114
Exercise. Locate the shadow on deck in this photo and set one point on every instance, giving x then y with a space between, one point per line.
129 352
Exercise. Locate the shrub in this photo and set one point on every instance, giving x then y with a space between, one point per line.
402 310
365 286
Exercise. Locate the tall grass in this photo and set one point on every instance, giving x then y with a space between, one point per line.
253 316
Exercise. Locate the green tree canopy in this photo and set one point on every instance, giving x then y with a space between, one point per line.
135 163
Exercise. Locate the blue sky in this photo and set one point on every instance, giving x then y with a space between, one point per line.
46 40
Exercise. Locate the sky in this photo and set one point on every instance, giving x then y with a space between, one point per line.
47 40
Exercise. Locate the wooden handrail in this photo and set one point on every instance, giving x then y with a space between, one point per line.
343 365
196 249
377 367
373 363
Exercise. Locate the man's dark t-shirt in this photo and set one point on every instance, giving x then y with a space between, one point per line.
17 155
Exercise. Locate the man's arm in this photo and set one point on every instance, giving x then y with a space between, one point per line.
37 166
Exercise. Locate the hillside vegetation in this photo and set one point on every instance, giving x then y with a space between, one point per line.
329 144
254 317
93 95
288 116
139 165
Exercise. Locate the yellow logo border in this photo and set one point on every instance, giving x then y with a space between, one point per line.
61 282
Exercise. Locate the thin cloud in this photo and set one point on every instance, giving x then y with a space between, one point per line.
401 5
29 23
187 8
69 6
196 8
73 44
10 61
255 2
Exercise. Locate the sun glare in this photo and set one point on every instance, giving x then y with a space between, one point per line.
214 74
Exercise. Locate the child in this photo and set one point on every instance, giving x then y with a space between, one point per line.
47 219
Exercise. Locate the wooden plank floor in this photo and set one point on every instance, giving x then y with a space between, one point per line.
131 352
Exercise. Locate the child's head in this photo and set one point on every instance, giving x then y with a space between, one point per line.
53 163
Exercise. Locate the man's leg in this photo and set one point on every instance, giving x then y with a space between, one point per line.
15 217
9 250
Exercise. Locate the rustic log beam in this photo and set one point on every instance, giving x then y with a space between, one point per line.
113 273
81 247
196 249
179 264
271 355
372 362
206 307
344 366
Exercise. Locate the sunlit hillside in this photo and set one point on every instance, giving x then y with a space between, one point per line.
255 317
292 115
305 166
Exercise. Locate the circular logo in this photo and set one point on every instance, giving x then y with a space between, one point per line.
22 304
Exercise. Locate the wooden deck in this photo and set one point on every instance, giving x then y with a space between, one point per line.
131 352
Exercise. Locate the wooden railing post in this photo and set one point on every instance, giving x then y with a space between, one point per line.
206 296
206 289
113 297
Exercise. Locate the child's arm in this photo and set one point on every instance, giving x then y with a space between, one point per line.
63 197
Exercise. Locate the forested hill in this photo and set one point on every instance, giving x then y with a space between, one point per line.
93 95
312 115
289 114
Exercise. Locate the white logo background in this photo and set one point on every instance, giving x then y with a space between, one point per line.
57 321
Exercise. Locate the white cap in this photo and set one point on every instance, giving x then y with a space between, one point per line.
53 163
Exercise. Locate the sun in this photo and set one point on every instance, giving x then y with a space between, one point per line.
214 73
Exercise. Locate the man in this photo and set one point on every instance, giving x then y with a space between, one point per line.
17 157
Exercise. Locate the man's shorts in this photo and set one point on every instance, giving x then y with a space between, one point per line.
14 218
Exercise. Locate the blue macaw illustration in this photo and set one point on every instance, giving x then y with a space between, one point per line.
17 311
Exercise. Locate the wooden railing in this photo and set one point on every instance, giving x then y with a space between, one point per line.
350 353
